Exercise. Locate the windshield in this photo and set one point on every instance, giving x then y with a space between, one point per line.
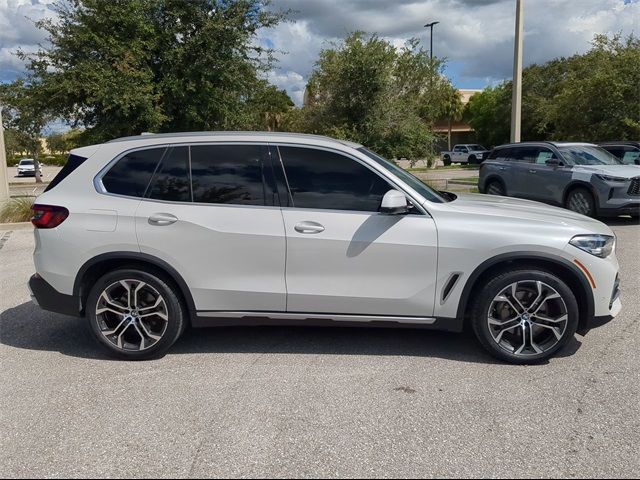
26 162
587 155
414 182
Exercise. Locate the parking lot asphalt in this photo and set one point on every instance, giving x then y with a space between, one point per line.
310 402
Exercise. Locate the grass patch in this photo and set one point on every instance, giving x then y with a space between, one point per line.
464 180
17 210
450 167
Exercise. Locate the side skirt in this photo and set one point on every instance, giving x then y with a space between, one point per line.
227 319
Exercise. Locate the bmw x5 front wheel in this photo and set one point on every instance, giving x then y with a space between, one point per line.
525 316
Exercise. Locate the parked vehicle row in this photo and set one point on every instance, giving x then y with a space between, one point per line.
145 235
582 177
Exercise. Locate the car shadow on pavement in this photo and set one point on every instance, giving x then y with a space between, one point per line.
28 327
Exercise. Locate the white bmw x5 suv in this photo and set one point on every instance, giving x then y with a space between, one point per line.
146 235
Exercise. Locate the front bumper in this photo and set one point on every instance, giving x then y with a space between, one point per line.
630 208
48 298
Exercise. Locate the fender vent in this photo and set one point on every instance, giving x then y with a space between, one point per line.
448 287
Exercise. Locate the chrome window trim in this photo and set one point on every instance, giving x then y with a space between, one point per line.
414 197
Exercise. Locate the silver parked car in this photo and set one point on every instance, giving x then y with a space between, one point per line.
145 235
579 176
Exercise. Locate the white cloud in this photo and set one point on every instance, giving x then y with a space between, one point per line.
17 30
475 34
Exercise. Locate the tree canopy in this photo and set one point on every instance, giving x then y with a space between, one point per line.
121 67
367 90
591 97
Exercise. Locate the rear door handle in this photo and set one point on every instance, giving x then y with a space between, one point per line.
162 219
309 227
502 168
533 171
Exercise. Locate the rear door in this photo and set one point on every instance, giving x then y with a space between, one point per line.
500 166
521 159
211 212
343 256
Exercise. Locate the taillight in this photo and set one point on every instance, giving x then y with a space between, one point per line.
48 216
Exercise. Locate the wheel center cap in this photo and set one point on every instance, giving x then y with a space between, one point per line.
525 317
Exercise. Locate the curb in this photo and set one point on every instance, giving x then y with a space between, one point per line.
15 226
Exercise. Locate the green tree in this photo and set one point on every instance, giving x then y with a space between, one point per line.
366 90
25 116
488 112
600 98
270 107
590 97
122 67
63 142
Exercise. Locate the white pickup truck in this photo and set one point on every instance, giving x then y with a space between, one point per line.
470 153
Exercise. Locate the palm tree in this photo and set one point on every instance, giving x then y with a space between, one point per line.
453 109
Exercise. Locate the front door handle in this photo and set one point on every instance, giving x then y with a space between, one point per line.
162 219
502 168
309 227
533 171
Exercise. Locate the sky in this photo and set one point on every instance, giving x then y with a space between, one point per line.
475 36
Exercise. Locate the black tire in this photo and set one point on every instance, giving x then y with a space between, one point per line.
446 160
154 325
484 307
495 187
473 160
580 200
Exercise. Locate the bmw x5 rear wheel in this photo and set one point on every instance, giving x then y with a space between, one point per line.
136 315
525 316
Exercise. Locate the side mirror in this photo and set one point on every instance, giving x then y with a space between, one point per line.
394 203
554 162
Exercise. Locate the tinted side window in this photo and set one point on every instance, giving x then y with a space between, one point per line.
73 162
543 154
322 179
503 154
171 180
617 151
131 175
230 174
525 154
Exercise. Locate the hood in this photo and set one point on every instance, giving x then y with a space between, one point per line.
625 171
530 211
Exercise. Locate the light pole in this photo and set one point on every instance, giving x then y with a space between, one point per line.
4 176
431 25
516 100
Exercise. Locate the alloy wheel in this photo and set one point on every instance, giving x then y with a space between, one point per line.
578 202
132 315
527 318
494 189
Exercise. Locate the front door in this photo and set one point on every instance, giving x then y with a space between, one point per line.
343 256
222 231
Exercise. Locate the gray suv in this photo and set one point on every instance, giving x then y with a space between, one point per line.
579 176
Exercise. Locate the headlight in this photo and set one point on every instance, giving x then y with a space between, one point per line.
598 245
609 178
